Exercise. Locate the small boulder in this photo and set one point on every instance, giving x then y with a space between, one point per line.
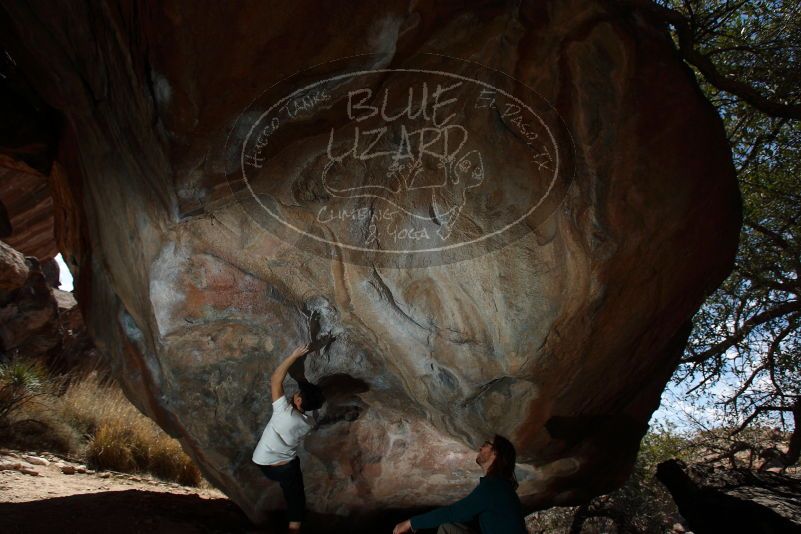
36 460
68 469
10 466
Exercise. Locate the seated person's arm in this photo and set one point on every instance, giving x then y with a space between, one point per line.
277 379
459 512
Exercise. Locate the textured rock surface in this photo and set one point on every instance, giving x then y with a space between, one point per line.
28 139
563 339
733 500
38 320
13 269
30 215
28 309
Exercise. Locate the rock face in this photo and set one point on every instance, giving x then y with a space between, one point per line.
36 319
733 500
30 218
222 211
28 309
28 141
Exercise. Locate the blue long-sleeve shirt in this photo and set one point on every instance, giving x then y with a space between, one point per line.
494 502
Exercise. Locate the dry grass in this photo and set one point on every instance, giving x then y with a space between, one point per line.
94 421
120 437
28 415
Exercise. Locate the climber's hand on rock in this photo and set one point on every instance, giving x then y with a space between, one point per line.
402 528
301 350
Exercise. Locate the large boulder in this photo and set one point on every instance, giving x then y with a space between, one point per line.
538 284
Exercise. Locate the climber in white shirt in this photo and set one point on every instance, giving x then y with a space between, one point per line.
276 452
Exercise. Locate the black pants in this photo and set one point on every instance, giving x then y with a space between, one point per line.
290 479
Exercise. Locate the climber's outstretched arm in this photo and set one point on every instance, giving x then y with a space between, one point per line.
277 379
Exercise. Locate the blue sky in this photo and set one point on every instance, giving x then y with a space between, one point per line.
64 276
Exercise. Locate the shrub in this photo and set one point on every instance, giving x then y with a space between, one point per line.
110 448
168 461
120 437
89 401
20 383
91 419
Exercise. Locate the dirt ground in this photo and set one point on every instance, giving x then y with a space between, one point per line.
52 501
108 502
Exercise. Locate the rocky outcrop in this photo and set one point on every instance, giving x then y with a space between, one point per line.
28 309
529 268
28 139
37 320
13 269
30 214
715 499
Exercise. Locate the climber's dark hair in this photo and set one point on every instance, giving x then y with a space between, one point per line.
505 459
311 397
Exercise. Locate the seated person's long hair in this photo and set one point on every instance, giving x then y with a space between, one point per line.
505 459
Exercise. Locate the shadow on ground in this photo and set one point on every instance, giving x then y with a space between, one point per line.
123 512
150 512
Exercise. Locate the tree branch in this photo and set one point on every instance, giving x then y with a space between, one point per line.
748 382
745 329
759 142
761 281
759 410
794 449
686 40
774 346
764 230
